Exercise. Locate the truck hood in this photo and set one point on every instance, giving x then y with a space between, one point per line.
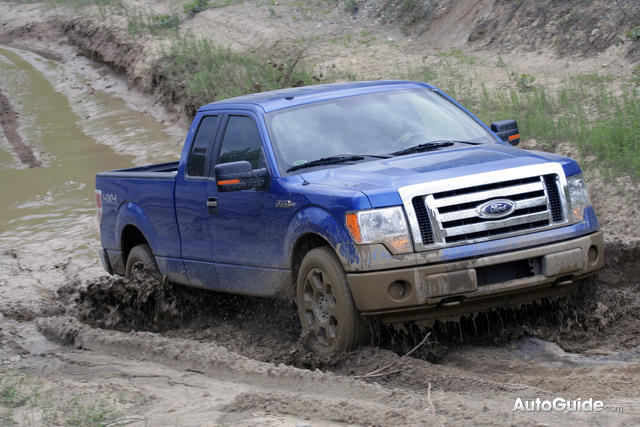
380 179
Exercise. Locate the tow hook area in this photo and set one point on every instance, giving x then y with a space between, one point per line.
564 281
451 302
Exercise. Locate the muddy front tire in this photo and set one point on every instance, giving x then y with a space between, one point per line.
330 322
141 263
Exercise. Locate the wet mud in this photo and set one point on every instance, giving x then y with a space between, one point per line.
260 328
268 330
9 123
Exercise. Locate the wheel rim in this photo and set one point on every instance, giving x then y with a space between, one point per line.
320 307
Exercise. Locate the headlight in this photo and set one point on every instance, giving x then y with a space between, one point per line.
387 226
578 197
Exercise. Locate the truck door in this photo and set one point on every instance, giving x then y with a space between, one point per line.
191 209
241 235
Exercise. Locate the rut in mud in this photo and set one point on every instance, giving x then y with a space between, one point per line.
9 123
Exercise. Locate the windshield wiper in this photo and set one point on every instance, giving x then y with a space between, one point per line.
428 146
332 160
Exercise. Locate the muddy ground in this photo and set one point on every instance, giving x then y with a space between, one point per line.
78 346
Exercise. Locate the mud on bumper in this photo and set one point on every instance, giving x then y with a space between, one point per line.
446 289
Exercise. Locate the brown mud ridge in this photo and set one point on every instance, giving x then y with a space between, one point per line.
593 315
9 123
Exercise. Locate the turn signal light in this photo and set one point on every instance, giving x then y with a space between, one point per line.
354 227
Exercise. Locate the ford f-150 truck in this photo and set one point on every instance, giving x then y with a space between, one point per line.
384 199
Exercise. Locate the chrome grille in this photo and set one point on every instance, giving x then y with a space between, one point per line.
551 183
423 220
449 213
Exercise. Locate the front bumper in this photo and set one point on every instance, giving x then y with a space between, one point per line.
437 290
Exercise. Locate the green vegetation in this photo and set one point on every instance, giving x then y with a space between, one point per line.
585 112
635 75
459 56
596 113
74 3
23 399
197 72
194 7
634 33
137 22
11 397
523 81
95 414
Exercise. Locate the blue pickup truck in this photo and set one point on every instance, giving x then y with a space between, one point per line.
383 199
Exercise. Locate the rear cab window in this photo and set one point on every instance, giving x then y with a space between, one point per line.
202 146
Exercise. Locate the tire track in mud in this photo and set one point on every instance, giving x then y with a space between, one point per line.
337 396
9 123
289 390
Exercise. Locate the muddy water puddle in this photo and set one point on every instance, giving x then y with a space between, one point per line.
551 354
72 148
47 214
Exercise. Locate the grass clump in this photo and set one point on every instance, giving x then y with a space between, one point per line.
163 21
198 72
194 7
27 401
634 33
139 22
11 397
96 414
615 140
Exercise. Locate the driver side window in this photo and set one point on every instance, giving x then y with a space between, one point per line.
242 141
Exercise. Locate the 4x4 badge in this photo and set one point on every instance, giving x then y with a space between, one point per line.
284 204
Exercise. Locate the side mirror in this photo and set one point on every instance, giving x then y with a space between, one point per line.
507 130
237 176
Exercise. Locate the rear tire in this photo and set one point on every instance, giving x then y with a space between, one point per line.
330 322
141 263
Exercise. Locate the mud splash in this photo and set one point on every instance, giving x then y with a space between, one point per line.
263 329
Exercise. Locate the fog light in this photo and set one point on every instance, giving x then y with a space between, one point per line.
398 290
593 254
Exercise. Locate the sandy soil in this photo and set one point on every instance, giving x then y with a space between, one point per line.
170 355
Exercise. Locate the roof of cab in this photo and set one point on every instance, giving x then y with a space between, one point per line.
284 98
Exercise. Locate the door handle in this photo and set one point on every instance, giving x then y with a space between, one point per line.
212 205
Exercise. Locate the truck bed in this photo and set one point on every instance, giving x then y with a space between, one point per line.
142 196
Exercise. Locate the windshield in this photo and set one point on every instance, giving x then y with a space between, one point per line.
371 124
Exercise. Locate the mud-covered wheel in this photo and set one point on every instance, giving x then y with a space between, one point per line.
141 263
330 322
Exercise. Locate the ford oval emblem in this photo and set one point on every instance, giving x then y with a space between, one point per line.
497 208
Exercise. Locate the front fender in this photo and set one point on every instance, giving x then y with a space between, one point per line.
315 220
